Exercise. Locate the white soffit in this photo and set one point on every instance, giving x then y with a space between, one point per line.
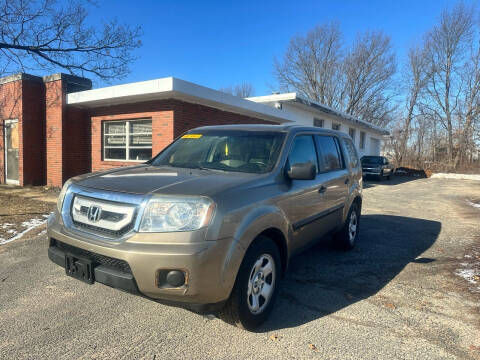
172 88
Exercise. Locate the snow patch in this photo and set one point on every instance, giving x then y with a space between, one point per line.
473 204
455 176
28 225
470 271
469 275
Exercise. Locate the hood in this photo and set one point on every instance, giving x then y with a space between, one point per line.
146 179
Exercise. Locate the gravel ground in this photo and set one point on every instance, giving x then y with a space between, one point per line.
398 295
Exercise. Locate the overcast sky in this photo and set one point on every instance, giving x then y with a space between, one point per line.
221 43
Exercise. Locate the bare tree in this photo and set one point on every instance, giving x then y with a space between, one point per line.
447 45
312 65
357 81
43 34
416 77
369 68
470 104
243 90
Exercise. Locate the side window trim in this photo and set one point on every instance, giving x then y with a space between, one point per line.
340 153
321 165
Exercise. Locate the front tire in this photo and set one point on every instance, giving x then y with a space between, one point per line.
346 238
256 286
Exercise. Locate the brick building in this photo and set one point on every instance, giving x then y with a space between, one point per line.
56 127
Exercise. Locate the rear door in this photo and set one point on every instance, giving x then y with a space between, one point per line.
335 178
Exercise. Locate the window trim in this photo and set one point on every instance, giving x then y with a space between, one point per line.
351 129
322 121
361 144
126 134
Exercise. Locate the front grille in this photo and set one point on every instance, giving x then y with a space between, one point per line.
110 219
104 231
107 261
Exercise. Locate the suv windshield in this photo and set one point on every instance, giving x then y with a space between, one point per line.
242 151
376 160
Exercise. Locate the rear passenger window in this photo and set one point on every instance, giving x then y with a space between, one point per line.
352 153
303 151
329 153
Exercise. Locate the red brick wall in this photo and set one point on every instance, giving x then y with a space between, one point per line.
77 153
188 116
54 115
33 130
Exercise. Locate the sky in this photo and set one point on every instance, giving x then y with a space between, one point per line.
222 43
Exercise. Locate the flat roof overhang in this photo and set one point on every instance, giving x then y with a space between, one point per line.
173 88
303 103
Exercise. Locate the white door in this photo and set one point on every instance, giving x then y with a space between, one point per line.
11 151
374 147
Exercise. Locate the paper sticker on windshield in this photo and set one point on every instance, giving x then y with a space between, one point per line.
192 136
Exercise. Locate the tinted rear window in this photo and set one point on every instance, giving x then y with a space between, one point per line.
329 153
352 152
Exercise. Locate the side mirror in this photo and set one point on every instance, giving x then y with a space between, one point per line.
302 171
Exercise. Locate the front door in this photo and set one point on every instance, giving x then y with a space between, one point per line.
303 202
11 151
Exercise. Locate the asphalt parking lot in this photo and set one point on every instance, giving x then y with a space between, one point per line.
399 294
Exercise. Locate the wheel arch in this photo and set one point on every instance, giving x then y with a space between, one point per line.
268 222
277 236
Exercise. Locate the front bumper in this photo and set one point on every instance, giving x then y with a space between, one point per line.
133 265
371 172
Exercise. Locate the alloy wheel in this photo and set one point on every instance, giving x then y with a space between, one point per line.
261 284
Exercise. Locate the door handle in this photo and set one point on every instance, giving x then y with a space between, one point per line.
322 189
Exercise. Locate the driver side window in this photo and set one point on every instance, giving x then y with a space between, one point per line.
303 151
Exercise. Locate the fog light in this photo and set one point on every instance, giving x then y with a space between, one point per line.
175 278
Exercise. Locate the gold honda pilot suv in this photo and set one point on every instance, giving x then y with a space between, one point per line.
211 222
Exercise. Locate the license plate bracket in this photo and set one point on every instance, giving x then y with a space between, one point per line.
79 268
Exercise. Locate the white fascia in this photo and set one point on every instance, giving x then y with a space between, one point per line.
174 88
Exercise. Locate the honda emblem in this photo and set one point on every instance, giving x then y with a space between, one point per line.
94 213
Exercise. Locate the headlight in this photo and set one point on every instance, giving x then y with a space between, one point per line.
167 214
62 195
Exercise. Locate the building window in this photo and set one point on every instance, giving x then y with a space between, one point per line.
351 132
318 122
336 126
129 140
362 140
